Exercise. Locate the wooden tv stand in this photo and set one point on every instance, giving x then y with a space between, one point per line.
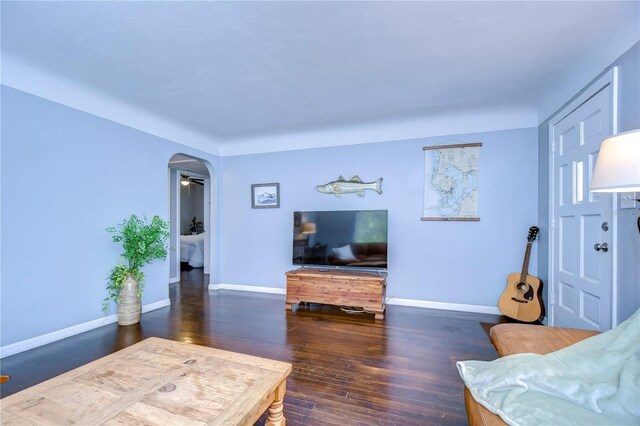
339 287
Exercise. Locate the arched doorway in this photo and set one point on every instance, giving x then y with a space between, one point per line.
192 192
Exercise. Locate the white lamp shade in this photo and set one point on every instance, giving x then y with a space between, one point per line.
618 166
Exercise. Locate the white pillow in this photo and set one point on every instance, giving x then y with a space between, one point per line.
344 253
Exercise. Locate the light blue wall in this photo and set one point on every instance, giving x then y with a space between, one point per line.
628 239
455 262
66 176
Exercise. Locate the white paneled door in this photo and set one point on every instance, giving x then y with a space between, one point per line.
582 222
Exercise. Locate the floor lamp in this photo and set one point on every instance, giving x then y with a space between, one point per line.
618 165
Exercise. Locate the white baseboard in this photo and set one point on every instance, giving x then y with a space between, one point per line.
481 309
174 280
155 305
44 339
237 287
391 301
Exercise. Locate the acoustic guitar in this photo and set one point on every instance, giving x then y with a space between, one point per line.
521 300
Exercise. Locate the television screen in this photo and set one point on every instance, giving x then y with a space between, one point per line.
354 239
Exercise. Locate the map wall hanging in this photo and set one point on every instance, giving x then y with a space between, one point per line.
451 178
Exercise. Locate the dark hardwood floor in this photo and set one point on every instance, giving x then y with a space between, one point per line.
347 369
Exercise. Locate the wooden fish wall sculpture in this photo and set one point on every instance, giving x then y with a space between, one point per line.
355 185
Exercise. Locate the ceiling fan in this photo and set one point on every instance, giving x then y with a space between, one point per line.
186 180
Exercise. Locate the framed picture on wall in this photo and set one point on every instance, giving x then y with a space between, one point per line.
265 195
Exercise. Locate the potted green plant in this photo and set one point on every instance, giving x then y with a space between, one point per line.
193 228
142 242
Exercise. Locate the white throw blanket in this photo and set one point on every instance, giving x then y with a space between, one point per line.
593 382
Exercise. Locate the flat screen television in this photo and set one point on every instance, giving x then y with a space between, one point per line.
350 238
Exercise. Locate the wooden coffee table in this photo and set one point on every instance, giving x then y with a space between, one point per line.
157 381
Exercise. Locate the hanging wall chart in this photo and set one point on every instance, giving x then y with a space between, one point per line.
451 178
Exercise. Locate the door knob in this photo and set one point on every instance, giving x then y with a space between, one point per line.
604 247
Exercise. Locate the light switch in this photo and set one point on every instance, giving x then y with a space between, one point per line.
628 200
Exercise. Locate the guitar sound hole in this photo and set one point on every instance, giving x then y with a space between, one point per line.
523 287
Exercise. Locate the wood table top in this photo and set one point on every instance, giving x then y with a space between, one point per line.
338 273
155 381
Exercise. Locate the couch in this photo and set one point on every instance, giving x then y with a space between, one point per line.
510 339
366 254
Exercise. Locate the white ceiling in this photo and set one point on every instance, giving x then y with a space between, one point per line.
224 73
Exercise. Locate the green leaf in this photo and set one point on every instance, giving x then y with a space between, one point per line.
142 242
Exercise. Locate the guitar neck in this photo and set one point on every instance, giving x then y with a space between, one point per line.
525 263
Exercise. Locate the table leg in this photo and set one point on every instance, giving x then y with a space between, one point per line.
276 417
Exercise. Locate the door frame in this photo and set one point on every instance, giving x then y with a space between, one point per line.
210 220
174 220
609 79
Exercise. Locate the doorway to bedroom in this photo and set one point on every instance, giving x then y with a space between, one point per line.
190 212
